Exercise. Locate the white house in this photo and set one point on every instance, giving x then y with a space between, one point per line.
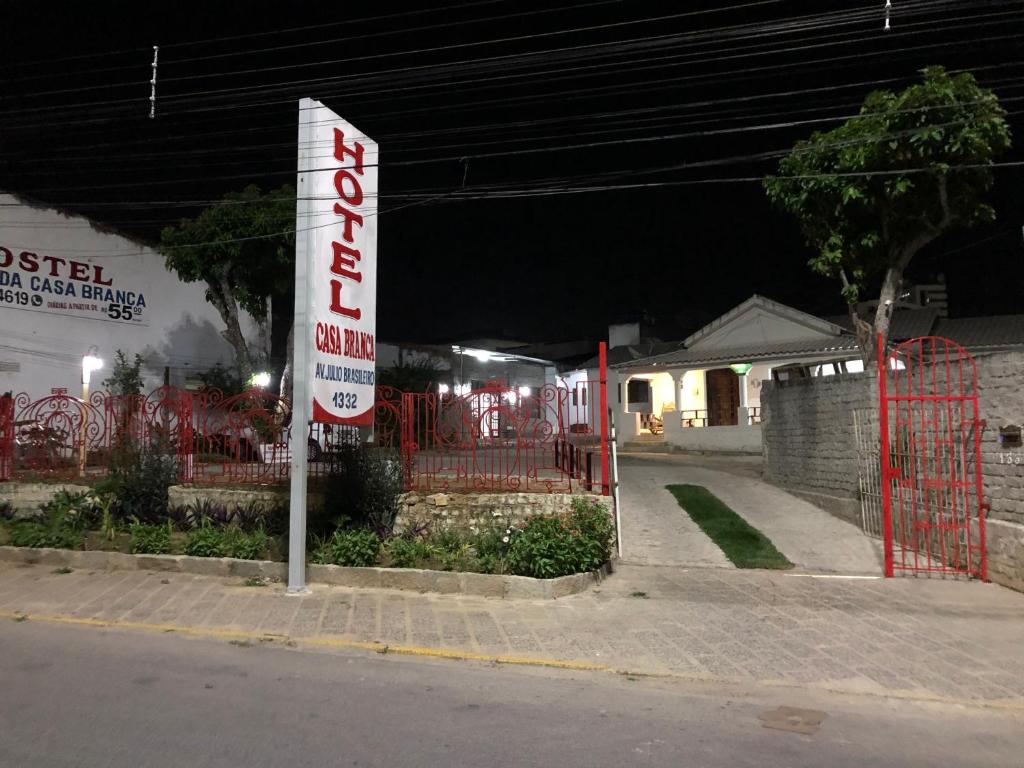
704 394
68 285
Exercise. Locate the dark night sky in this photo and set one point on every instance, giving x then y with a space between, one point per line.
638 81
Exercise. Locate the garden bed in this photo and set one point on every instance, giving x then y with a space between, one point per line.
412 579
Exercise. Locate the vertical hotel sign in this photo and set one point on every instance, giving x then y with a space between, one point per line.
339 199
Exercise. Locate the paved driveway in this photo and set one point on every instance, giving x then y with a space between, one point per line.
655 531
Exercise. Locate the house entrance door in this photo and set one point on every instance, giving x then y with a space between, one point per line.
723 388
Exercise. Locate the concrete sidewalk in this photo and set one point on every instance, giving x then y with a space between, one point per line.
916 638
655 533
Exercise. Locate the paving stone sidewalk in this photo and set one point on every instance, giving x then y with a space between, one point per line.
932 639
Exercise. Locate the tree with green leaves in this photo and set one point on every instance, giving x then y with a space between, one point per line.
243 248
873 192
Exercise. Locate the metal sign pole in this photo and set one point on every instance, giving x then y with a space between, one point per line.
302 406
615 484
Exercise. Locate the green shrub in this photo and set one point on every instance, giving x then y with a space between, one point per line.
244 545
548 547
207 541
150 539
363 487
73 510
409 553
358 547
139 482
37 533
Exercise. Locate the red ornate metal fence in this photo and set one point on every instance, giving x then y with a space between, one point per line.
496 438
6 436
933 503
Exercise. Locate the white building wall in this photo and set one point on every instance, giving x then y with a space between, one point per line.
45 331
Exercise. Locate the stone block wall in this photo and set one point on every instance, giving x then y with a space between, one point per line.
29 498
810 449
464 510
808 440
1001 401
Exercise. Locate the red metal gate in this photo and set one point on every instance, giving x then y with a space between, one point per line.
933 504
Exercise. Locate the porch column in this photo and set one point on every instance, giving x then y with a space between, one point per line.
677 378
743 413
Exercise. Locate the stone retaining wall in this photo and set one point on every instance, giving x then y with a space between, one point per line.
463 510
808 438
29 498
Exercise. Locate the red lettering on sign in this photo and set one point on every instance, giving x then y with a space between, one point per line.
54 261
97 276
6 258
28 262
345 267
79 271
336 307
355 197
341 151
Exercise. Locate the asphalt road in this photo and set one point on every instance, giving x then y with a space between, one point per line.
75 696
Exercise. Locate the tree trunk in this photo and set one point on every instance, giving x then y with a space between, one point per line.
264 330
227 308
288 374
887 298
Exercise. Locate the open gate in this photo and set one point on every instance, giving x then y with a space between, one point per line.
932 501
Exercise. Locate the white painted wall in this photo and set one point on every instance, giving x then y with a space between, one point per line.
737 439
757 326
177 327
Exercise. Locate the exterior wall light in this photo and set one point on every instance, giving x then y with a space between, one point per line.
261 379
741 369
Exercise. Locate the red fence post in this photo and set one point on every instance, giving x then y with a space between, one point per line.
602 353
883 427
6 437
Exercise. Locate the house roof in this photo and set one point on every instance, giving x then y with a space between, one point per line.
839 347
627 353
790 313
983 333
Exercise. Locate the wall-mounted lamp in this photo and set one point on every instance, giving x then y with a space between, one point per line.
741 369
261 380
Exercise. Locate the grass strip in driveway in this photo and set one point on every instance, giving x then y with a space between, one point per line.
744 545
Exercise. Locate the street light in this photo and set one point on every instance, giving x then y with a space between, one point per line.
90 362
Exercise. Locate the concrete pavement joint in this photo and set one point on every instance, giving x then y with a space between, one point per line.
464 655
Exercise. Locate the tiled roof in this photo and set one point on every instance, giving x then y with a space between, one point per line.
978 333
840 346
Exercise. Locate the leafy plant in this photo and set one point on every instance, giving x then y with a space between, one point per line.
548 547
6 511
409 552
364 485
873 192
207 540
125 375
150 539
38 533
76 510
358 547
227 380
247 546
207 510
139 482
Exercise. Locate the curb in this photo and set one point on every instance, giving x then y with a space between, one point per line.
452 654
410 579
